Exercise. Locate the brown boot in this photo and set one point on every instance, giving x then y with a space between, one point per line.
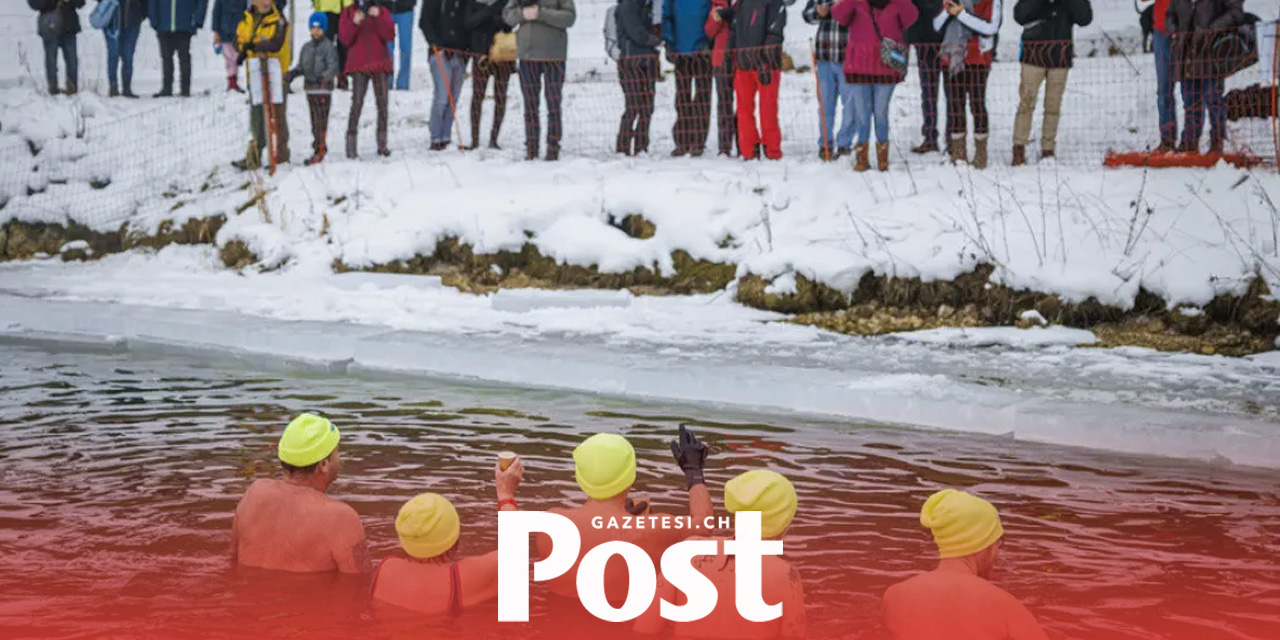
980 152
882 156
1019 155
959 148
860 160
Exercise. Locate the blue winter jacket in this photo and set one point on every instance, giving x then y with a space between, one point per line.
227 15
177 16
683 22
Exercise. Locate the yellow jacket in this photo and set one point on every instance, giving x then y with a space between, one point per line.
270 38
331 6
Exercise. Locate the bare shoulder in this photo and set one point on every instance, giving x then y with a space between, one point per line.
343 515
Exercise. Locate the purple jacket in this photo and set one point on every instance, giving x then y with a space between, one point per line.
862 55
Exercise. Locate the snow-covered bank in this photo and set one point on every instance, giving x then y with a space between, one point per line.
701 349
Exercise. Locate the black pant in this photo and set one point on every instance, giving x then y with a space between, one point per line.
319 104
67 44
175 43
930 70
637 75
331 32
726 118
969 85
533 73
481 71
693 100
359 86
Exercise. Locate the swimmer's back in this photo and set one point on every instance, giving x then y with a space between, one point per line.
956 606
288 527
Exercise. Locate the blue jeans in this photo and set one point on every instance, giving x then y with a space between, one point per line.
120 55
832 85
1161 45
404 34
871 100
1199 95
447 72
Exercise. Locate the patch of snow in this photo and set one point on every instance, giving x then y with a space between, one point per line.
784 284
523 300
370 281
1033 316
1000 336
74 245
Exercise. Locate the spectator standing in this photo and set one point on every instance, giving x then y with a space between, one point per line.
497 62
828 54
926 41
333 11
871 23
261 35
1047 53
227 15
175 22
1162 50
968 31
637 72
683 31
402 16
58 24
318 66
755 36
444 24
365 30
722 72
542 43
122 41
1196 25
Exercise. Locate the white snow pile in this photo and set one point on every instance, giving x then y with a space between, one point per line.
1185 235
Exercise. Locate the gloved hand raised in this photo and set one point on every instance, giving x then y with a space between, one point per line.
691 455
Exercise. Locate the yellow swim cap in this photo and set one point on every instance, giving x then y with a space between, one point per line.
768 492
427 525
307 440
604 465
962 523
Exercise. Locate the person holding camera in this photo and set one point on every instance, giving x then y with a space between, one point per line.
542 43
365 30
261 35
755 36
58 24
968 31
1046 58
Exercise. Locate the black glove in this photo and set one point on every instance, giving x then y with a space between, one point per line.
766 77
248 47
637 508
240 59
691 455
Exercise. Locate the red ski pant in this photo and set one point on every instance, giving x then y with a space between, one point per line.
747 84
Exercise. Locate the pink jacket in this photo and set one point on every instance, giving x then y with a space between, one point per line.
367 42
862 55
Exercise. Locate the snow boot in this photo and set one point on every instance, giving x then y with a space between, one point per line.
860 161
959 148
882 156
980 151
1019 155
928 146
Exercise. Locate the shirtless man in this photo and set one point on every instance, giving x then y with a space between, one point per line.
431 578
955 600
774 497
290 524
605 467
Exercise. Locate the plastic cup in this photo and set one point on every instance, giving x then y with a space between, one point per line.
505 459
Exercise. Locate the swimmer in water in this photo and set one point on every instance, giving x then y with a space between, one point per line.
290 524
955 600
774 497
431 579
605 468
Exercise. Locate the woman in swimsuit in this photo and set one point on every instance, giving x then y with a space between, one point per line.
431 579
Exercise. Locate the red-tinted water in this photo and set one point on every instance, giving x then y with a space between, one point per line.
118 478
